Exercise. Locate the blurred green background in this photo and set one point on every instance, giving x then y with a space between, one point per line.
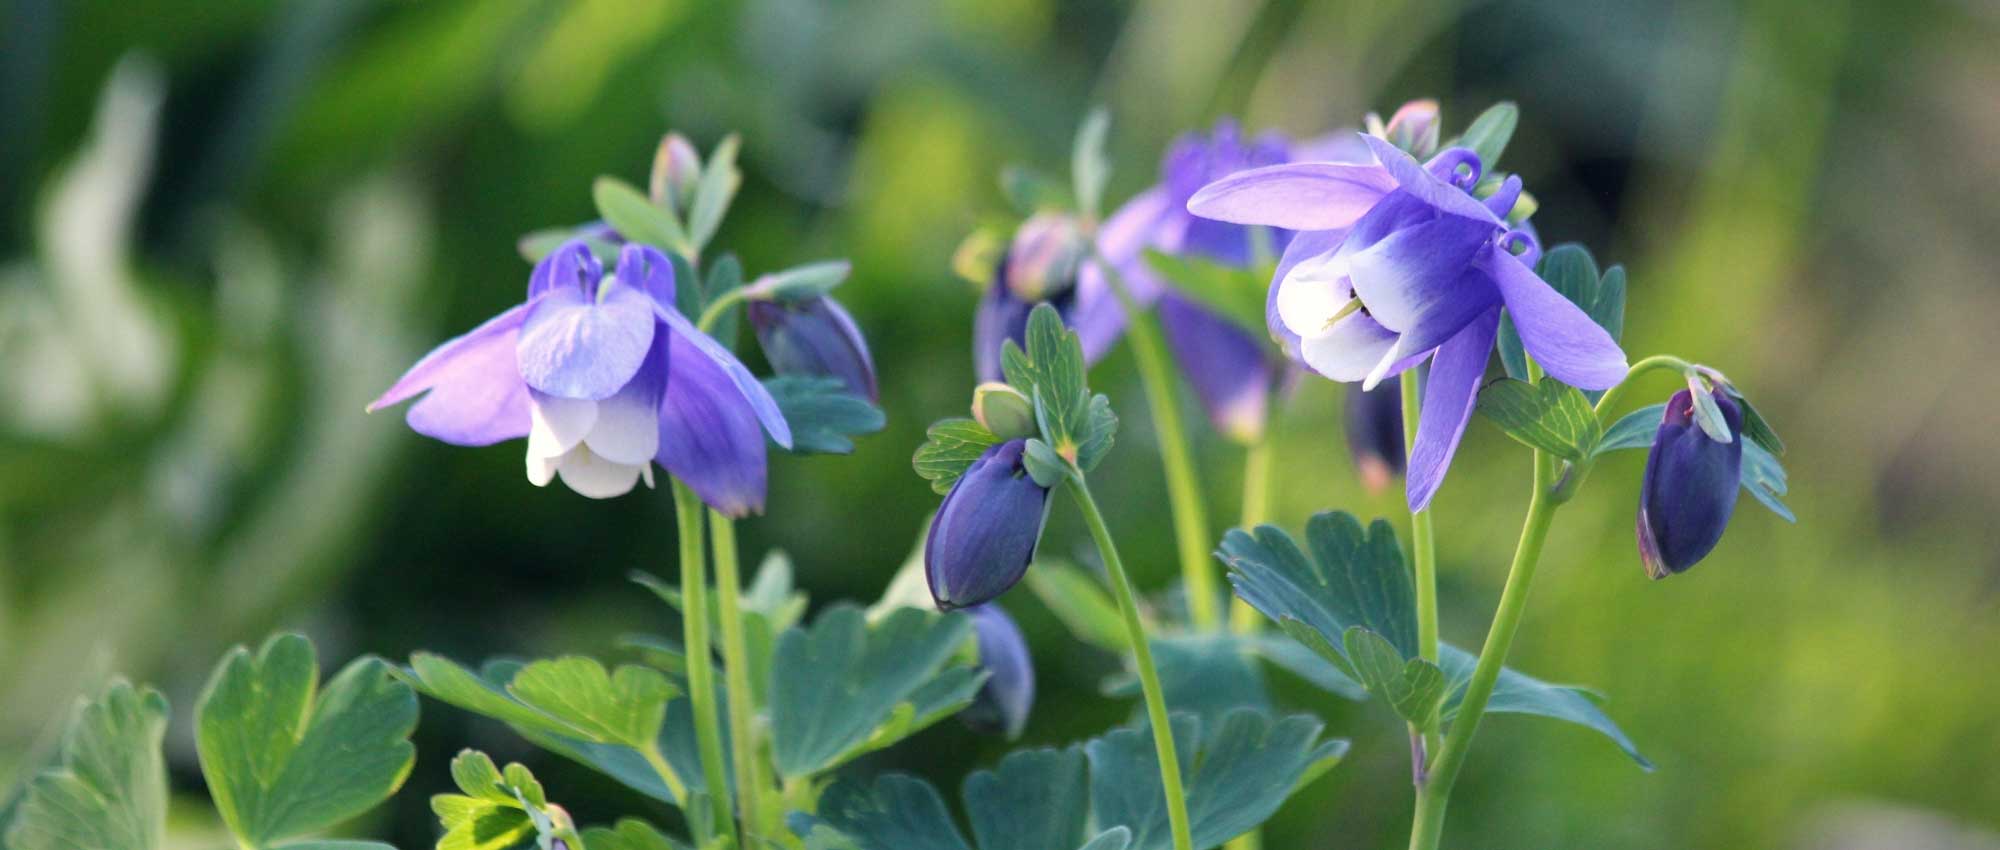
224 226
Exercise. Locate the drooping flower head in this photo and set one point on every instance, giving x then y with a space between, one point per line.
815 336
1690 486
1041 264
604 377
1003 703
1396 263
986 530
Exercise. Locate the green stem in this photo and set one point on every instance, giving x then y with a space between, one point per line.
750 781
1142 657
1257 463
1423 553
1435 793
1183 488
713 312
700 660
1573 474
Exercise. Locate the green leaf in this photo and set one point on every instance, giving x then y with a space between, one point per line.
1090 166
1115 838
629 834
725 275
1518 693
1708 414
1411 686
1051 371
498 809
1764 477
1634 430
1551 416
1100 428
1043 464
843 687
801 282
624 707
1236 294
712 194
1029 191
283 759
825 417
1754 426
950 446
1207 675
1031 800
1489 133
1352 579
1237 774
109 789
896 812
1301 660
637 218
1079 601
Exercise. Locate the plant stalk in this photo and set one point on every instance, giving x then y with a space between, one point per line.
700 659
745 735
1142 657
1257 471
1423 556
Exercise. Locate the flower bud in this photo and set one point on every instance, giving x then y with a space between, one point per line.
676 169
1690 487
1414 127
814 336
1375 432
1001 707
1003 410
986 530
1043 259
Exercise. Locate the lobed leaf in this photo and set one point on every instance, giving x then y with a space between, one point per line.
637 218
108 790
949 447
1550 416
824 417
1413 687
498 810
1353 578
625 707
843 687
1489 133
717 187
628 834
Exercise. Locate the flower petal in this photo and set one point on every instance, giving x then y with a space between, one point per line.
559 424
1226 366
1414 178
1349 350
709 435
571 266
575 346
1448 396
476 394
1562 338
1416 275
596 477
1305 247
761 403
1295 196
627 429
644 267
1000 317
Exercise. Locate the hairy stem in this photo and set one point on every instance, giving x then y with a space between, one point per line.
1142 658
700 660
745 737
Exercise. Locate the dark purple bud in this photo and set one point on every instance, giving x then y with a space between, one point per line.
985 533
815 336
1001 708
1375 432
1690 487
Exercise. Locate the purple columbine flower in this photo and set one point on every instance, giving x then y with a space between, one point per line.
1375 433
1396 263
815 336
604 377
1690 487
1002 705
986 530
1043 263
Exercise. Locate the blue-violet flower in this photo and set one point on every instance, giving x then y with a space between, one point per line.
985 532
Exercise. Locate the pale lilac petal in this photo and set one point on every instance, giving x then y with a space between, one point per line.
1414 178
1130 231
752 392
596 477
1296 196
571 266
576 346
1337 146
644 267
476 394
999 317
1456 371
1312 293
1560 336
627 429
1228 368
559 423
1350 349
1097 316
1305 247
709 434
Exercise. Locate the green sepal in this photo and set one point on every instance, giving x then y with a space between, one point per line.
949 447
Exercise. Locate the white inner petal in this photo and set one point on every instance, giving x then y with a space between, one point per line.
1349 350
541 470
556 425
1313 293
596 477
627 429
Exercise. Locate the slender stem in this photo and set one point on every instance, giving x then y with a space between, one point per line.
1142 657
1434 795
1609 401
700 660
713 312
750 781
666 771
1423 555
1183 488
1257 470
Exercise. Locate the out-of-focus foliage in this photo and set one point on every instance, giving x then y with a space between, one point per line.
224 226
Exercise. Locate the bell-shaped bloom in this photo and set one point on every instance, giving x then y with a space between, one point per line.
1231 371
815 336
1690 487
604 377
1396 263
1002 705
985 533
1375 433
1044 263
